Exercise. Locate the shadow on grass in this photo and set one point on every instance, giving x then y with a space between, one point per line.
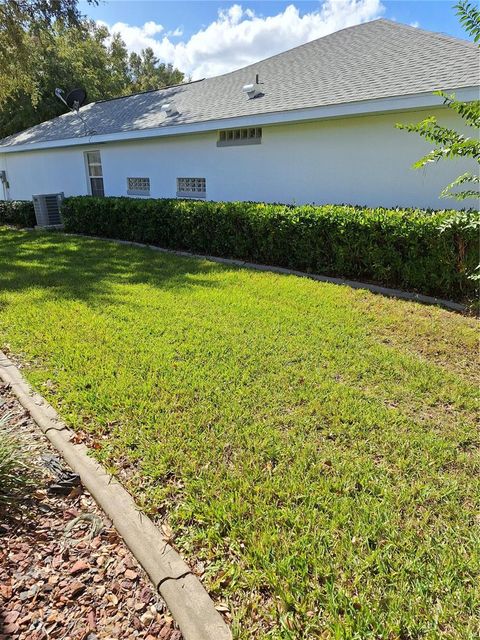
86 269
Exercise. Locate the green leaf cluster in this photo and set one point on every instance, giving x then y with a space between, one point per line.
23 26
469 16
452 144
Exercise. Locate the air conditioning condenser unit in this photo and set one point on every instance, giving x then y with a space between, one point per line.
48 209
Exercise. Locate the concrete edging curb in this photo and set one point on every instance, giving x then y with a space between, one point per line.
186 598
354 284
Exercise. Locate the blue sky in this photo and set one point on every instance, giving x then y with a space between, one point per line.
207 37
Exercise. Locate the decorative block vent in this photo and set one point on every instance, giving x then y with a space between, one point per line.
191 187
47 209
138 186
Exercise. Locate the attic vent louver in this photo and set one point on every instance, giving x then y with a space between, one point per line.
253 90
169 108
47 209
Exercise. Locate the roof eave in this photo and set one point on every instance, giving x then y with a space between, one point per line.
342 110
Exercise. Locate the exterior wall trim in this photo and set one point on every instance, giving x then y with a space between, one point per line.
364 107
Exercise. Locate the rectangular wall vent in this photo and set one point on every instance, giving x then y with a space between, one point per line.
47 209
232 137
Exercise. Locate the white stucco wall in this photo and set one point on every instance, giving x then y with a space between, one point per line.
357 160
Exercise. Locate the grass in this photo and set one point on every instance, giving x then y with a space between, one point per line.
17 477
312 447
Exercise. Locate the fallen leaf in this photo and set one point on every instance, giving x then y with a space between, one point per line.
147 617
167 531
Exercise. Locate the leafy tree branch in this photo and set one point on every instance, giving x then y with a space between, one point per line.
448 142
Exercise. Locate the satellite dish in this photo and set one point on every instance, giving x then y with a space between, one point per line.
59 95
76 98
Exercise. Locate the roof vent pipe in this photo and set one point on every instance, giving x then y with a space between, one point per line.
252 91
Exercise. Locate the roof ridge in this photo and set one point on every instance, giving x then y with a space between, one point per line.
432 34
140 93
400 25
298 46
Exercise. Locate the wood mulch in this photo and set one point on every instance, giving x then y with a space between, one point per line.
58 577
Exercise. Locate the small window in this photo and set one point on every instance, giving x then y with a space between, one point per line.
138 186
94 173
191 188
237 137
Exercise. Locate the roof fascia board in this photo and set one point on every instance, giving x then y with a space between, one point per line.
347 109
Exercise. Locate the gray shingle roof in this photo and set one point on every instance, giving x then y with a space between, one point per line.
376 59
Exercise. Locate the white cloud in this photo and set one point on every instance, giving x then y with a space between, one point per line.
136 38
176 33
239 37
152 28
415 24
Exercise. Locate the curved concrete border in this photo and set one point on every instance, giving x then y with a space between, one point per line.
186 598
354 284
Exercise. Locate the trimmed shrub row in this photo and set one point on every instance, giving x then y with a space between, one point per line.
399 248
17 212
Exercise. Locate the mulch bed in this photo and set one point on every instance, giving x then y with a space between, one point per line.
59 578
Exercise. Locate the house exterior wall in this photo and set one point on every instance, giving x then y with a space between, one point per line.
357 160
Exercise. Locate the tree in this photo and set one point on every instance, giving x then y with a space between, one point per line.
147 72
448 142
24 25
118 66
68 57
469 17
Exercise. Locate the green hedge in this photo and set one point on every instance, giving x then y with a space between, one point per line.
17 212
396 247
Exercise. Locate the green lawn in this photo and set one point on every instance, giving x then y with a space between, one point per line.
313 447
